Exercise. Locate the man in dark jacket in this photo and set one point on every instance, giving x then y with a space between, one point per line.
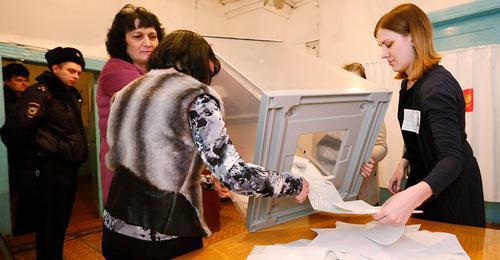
46 122
15 81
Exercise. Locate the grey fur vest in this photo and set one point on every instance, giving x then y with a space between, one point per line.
150 140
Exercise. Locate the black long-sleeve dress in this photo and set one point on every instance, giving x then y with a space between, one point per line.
440 154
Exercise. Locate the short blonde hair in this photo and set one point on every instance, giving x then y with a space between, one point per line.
409 19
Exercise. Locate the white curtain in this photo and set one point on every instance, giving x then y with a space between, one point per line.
476 68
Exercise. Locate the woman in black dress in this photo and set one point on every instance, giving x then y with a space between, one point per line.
444 178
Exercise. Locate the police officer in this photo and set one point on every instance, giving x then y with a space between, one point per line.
47 123
15 80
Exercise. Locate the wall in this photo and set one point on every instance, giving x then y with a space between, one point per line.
346 26
51 23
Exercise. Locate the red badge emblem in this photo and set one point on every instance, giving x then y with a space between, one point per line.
469 99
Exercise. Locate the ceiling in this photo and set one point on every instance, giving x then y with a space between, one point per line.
279 4
280 7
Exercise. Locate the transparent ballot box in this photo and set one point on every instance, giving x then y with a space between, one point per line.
281 104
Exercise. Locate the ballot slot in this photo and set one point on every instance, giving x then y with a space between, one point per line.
279 103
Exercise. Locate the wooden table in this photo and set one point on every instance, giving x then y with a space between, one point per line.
479 243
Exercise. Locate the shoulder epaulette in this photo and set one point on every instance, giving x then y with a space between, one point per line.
42 88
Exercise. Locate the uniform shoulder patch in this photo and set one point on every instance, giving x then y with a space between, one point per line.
42 88
33 110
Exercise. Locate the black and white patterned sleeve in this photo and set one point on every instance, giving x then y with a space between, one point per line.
220 156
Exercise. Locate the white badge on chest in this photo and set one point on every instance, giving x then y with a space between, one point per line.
411 120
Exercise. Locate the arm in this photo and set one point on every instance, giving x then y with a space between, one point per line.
221 157
442 111
394 185
25 118
380 150
398 208
378 153
114 79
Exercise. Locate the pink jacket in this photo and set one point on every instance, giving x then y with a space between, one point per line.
115 75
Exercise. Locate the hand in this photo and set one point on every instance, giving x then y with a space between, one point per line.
303 193
398 208
395 181
367 168
222 191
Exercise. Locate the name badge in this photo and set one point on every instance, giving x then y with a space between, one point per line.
411 120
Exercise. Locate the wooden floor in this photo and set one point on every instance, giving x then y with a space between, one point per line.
85 242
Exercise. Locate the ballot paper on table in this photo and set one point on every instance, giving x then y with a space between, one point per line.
381 234
412 244
289 250
348 241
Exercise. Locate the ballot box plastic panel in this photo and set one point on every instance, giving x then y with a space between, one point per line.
280 102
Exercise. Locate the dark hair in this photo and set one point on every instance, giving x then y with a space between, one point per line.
187 52
409 19
13 70
123 23
357 68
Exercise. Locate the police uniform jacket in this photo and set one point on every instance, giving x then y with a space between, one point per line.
46 121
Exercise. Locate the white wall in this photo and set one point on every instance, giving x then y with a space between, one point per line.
303 25
84 24
346 26
52 23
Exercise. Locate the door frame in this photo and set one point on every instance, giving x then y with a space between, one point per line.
37 55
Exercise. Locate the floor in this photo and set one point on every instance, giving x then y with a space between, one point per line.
85 243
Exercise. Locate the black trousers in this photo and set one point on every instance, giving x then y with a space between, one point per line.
118 246
58 180
26 180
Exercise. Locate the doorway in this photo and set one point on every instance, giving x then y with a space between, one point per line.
86 209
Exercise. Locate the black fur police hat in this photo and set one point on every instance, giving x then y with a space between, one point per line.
15 69
60 55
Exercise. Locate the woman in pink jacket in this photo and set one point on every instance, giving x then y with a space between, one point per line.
134 34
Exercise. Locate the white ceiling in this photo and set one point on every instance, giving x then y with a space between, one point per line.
279 4
280 7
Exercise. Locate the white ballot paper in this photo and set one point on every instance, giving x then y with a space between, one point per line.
357 241
411 244
323 195
383 234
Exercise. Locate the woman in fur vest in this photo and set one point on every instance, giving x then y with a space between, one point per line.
162 128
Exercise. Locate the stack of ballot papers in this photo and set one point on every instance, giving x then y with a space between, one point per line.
323 195
368 241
